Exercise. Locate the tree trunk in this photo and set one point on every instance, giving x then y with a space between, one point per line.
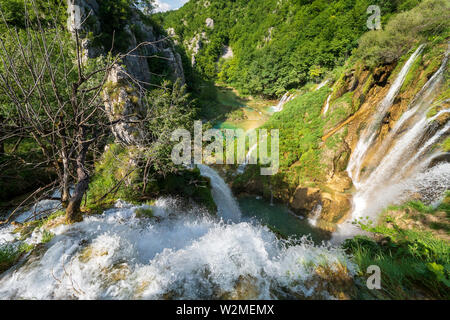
65 194
2 144
73 213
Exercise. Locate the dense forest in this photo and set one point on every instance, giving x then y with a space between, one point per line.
296 41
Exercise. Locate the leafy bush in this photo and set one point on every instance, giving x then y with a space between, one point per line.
428 19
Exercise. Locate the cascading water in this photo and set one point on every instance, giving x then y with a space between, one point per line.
180 253
242 167
226 204
369 134
406 154
327 106
321 85
285 99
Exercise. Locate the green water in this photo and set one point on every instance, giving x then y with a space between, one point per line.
279 217
225 125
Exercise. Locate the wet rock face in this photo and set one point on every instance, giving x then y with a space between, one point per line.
306 199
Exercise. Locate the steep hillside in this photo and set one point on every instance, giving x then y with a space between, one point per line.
322 131
268 47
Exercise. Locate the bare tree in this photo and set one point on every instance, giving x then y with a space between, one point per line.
53 96
52 93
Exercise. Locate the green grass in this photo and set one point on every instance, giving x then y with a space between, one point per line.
10 254
423 208
414 264
446 145
144 213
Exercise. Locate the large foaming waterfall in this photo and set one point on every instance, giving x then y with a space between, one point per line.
403 161
181 253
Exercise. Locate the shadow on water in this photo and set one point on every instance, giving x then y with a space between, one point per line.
279 218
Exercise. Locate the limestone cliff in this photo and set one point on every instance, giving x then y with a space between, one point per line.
122 94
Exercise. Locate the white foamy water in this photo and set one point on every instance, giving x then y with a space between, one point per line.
227 206
327 105
368 135
179 254
285 99
405 157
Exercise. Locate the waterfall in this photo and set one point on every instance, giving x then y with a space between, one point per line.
242 167
227 207
369 134
285 99
179 253
322 84
405 157
327 106
315 215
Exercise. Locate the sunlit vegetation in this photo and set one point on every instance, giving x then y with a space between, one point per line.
296 42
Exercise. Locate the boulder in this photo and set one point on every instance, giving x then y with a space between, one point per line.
305 199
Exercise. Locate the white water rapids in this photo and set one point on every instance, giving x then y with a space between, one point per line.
404 157
179 254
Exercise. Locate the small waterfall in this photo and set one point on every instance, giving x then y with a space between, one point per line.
242 167
322 84
316 212
369 134
327 106
406 154
285 99
227 207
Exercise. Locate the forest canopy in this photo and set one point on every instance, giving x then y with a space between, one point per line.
277 45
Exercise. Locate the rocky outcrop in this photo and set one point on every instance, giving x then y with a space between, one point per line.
122 99
124 108
195 45
306 199
209 23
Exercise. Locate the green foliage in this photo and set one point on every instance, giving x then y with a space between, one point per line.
446 145
47 236
20 173
115 174
301 130
114 15
48 11
423 208
171 108
296 42
426 21
412 263
189 184
10 254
